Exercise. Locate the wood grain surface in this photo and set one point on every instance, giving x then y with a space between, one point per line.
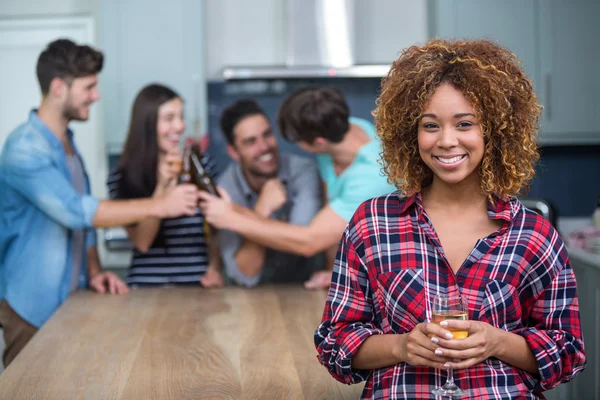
178 343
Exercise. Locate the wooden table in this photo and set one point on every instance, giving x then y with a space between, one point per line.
178 343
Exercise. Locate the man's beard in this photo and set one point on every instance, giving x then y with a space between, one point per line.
71 113
261 174
257 172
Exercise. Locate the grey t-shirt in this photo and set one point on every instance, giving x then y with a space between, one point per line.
78 235
301 179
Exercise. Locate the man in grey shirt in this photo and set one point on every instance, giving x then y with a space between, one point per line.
281 186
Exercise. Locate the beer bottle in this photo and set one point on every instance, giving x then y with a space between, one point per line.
193 172
198 172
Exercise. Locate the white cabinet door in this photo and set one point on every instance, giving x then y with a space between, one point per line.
570 70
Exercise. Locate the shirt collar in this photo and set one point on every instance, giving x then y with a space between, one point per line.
504 209
39 125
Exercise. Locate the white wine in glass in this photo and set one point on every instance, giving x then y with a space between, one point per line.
459 315
446 307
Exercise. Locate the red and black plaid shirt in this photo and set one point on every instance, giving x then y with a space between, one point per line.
390 264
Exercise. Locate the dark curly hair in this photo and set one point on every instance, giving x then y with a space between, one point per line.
492 80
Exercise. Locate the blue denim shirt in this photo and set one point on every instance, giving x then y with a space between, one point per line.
39 207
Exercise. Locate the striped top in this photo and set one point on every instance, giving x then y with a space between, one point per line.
179 254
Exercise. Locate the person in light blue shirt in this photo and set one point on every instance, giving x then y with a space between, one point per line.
47 215
347 150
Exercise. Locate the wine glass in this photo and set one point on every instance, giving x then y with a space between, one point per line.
450 306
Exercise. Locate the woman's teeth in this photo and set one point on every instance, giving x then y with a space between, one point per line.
450 160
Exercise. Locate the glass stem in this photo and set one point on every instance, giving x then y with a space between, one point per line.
450 378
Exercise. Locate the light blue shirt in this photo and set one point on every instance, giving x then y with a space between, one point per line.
362 179
39 209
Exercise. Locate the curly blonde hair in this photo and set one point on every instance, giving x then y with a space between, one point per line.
492 80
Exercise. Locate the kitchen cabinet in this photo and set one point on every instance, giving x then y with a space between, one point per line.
569 59
147 41
556 42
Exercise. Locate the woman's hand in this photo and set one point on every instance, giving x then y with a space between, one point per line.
418 349
482 343
168 169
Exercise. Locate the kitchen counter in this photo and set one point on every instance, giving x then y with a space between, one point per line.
178 343
586 266
568 225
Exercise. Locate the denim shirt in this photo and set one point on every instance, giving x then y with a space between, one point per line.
39 208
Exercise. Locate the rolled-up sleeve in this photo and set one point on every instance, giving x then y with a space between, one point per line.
32 174
554 331
348 316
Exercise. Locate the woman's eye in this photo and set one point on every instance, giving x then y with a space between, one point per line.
429 125
465 124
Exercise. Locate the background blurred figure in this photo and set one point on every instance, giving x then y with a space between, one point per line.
47 241
166 251
347 150
278 186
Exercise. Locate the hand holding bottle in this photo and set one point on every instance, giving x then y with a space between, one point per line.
179 200
168 169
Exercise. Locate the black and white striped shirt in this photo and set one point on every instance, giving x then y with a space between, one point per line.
179 254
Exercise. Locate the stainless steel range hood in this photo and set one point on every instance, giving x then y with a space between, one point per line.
320 44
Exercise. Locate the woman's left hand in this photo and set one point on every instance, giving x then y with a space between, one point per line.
482 343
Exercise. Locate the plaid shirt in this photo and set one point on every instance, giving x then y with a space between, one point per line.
390 264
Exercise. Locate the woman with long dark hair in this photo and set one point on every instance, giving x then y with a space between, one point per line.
166 251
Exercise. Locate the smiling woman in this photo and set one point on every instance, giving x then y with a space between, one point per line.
458 122
166 251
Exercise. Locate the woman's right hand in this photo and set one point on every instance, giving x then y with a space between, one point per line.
418 347
168 169
179 200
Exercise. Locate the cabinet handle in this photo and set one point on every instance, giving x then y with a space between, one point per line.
548 104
